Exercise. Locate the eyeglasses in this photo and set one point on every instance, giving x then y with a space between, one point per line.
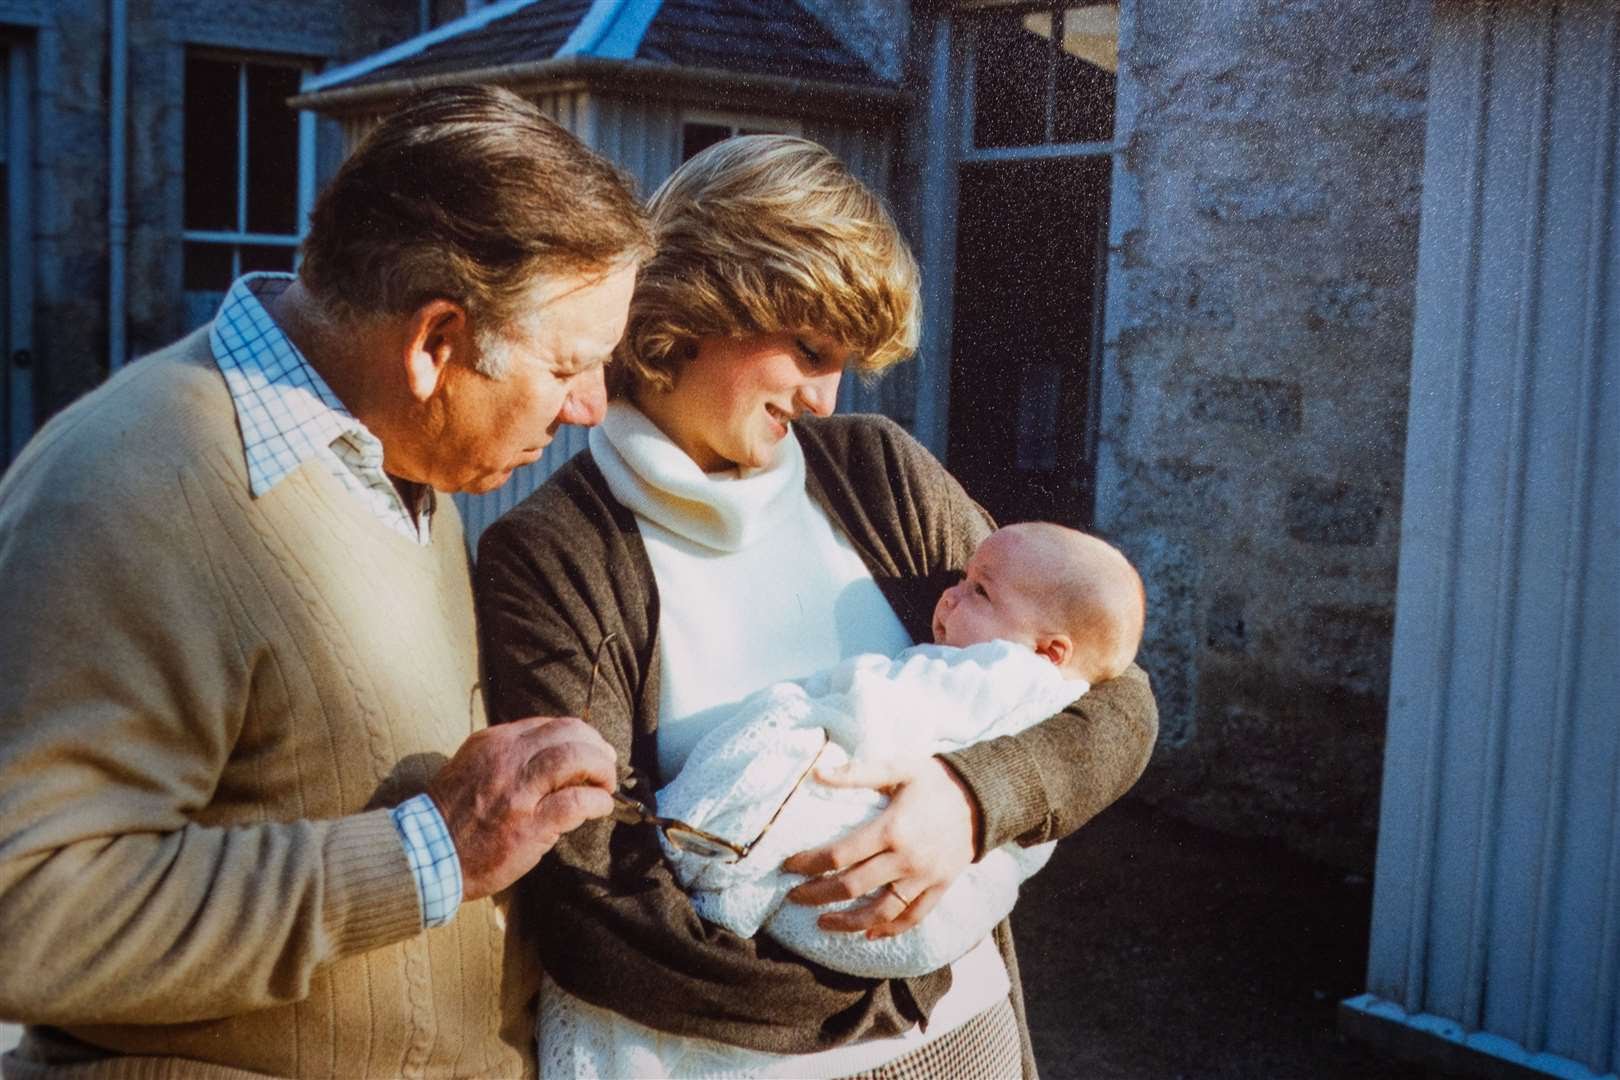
681 835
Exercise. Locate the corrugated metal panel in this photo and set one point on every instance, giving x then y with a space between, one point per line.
1498 880
642 137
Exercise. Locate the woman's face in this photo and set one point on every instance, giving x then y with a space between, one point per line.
732 403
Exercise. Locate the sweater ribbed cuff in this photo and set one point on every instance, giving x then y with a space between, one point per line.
1006 782
371 896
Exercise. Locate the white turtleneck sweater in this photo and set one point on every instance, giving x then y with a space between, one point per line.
756 585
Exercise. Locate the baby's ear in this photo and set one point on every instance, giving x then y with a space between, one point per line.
1055 647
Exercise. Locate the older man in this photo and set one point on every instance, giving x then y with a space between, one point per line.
250 815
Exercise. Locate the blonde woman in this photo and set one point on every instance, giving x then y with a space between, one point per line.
727 532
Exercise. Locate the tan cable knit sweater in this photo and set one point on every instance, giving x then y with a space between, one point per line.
207 704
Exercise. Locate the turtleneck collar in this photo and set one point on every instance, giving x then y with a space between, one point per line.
726 511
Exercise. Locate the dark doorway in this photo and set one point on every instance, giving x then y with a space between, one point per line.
1031 240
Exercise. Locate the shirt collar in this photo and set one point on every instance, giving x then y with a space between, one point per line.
287 412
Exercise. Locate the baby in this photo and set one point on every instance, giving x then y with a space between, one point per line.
1042 612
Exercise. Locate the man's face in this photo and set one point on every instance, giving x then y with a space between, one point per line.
480 429
994 600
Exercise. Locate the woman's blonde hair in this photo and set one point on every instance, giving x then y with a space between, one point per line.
766 234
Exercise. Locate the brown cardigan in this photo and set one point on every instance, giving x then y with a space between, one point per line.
567 567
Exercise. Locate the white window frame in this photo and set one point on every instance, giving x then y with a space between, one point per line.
738 122
966 151
238 238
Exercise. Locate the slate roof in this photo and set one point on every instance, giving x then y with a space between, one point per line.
755 37
534 32
765 37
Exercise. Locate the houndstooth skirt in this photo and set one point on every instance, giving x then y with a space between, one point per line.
987 1047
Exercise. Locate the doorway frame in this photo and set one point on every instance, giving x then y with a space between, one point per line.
18 337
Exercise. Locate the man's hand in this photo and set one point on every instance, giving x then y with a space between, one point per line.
513 789
912 851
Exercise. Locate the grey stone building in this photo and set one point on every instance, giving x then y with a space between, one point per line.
147 153
1171 253
1256 369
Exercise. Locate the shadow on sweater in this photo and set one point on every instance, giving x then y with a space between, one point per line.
408 777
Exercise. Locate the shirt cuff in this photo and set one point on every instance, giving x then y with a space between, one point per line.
432 857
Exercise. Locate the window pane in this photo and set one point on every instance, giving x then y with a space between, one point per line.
1084 107
210 163
696 138
1012 55
267 258
207 268
272 150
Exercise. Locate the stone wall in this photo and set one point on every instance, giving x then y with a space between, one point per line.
69 133
71 153
1264 244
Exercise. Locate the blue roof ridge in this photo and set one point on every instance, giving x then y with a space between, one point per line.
611 29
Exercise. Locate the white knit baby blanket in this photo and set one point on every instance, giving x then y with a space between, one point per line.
928 700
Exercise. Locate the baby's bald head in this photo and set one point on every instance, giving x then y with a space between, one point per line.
1088 590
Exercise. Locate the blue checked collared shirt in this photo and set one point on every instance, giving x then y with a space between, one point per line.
289 416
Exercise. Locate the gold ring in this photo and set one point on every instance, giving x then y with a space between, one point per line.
898 895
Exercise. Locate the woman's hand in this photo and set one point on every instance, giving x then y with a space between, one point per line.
924 838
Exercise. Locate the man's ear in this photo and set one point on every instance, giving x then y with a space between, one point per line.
437 332
1055 647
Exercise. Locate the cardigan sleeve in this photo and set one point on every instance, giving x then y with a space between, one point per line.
917 524
122 688
1047 781
611 924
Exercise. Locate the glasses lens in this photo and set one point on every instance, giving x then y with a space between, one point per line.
697 844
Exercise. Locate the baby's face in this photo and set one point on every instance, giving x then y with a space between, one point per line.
993 599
